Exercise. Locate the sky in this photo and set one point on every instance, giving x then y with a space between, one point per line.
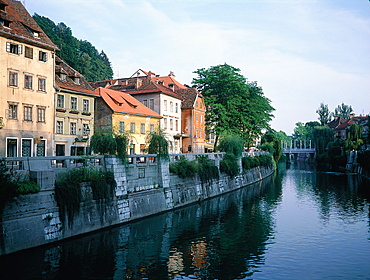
301 52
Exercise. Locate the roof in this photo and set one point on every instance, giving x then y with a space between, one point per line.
124 103
336 122
63 68
353 120
22 27
189 96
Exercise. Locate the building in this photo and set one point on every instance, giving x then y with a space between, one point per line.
74 111
340 125
154 92
193 122
27 58
125 114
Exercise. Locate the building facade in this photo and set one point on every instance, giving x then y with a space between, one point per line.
124 114
74 111
27 84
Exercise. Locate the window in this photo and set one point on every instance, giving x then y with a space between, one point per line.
171 106
26 147
171 124
28 81
196 117
121 127
13 111
13 79
85 105
165 123
73 128
151 104
151 128
85 129
11 147
42 56
59 127
132 127
201 133
196 133
42 84
177 125
41 114
165 105
201 118
60 101
63 76
13 48
28 52
27 113
142 128
74 103
40 148
77 80
5 23
145 102
176 108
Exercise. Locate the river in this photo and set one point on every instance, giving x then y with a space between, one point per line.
300 223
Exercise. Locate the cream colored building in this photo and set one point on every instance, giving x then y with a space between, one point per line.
26 84
74 111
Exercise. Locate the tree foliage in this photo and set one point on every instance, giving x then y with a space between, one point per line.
157 144
354 135
271 138
324 114
322 135
79 54
233 105
343 111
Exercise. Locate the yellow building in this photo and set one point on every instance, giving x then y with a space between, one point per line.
124 113
26 84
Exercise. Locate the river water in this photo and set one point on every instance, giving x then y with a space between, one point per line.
298 224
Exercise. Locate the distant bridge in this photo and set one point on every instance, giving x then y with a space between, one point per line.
299 151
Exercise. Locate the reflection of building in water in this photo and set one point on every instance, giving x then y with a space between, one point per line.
199 253
175 262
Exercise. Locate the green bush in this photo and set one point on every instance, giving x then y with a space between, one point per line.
229 165
265 160
68 188
207 170
183 168
250 162
363 158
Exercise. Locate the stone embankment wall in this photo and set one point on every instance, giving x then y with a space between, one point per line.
145 187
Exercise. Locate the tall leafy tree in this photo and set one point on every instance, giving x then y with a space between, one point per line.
79 54
324 114
344 111
233 105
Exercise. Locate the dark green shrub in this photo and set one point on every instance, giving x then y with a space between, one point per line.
267 147
250 162
232 144
229 165
207 170
183 168
68 189
265 160
363 158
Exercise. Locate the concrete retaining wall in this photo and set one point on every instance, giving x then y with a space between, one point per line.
143 189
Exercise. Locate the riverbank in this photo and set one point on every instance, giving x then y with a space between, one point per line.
144 187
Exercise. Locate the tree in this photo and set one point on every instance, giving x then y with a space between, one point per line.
271 138
79 54
322 135
354 135
343 111
324 114
233 105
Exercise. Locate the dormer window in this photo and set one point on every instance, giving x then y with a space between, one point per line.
77 80
63 76
2 7
5 23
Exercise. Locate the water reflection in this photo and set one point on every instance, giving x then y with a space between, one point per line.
253 233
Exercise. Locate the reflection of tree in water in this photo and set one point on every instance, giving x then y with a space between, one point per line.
232 241
339 193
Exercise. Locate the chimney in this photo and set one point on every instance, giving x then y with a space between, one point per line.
139 82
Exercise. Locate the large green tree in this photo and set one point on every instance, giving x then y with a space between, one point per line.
234 106
79 54
344 111
324 114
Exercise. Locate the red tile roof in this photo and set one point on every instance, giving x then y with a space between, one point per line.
124 103
22 26
63 68
352 120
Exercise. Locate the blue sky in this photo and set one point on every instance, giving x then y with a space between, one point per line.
301 52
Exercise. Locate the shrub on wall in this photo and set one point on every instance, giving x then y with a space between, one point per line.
207 170
250 162
68 188
229 165
183 168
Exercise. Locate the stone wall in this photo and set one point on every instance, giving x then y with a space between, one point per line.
144 188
